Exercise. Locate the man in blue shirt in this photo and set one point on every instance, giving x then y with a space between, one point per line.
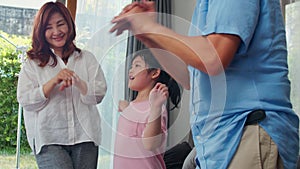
241 115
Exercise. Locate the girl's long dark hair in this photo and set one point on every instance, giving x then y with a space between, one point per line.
40 48
173 87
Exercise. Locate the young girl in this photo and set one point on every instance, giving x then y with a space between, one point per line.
59 87
142 127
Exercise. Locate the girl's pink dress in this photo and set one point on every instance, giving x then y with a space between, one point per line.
129 150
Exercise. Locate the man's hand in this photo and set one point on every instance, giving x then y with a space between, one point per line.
136 17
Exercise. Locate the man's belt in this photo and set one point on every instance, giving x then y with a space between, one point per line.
255 117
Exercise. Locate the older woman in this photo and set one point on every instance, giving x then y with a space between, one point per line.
59 87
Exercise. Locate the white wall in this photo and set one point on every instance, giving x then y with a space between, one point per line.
183 10
179 119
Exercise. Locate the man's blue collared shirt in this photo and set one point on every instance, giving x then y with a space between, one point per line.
257 78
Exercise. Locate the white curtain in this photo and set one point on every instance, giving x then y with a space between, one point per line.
292 19
93 23
293 43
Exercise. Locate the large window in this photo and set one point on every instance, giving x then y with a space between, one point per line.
93 23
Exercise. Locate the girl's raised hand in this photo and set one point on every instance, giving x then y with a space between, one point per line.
158 95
